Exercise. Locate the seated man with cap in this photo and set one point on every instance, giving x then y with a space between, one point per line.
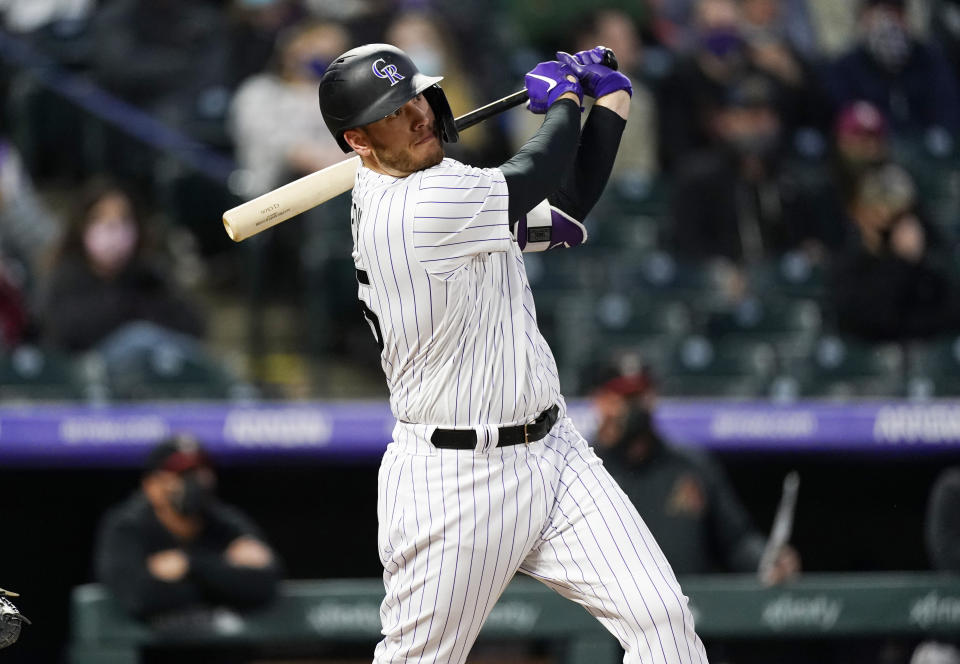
173 546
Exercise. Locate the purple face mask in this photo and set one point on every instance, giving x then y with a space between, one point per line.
722 42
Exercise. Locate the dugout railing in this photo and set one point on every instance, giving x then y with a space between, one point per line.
312 613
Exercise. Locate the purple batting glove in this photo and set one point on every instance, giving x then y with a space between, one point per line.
546 82
597 79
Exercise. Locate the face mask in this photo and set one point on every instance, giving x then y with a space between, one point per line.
721 42
110 244
888 42
195 497
756 143
315 65
428 60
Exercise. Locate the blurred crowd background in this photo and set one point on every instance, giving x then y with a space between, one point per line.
782 222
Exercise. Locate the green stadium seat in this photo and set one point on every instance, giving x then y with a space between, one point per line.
934 368
791 326
838 368
31 373
934 162
700 367
790 275
166 372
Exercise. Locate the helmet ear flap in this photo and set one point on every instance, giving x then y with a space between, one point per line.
441 110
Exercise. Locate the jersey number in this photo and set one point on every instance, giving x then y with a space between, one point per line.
373 322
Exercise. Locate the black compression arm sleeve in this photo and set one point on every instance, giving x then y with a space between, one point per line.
585 180
535 171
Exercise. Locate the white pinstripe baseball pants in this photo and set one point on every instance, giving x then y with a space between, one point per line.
455 526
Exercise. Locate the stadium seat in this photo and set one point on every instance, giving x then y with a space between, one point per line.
933 368
838 368
31 373
791 326
700 367
793 274
933 160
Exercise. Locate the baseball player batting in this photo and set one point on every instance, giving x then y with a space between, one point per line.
486 475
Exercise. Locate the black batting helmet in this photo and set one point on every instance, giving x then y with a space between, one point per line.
370 82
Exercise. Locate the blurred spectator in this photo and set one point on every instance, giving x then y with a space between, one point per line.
785 21
544 26
861 142
943 521
169 57
27 234
29 15
422 34
615 29
908 80
274 118
692 92
173 547
104 279
945 23
778 44
890 285
28 231
683 496
745 200
254 26
942 531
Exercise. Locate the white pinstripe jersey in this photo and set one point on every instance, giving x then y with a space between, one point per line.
448 298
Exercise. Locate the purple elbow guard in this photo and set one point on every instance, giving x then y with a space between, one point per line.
545 227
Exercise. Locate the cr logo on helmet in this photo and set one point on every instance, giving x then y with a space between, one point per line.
383 70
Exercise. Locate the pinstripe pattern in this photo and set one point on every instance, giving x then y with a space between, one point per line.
455 526
449 299
475 355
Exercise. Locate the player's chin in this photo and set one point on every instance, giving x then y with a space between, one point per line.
432 154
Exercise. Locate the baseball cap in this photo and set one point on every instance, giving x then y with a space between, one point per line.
861 118
177 454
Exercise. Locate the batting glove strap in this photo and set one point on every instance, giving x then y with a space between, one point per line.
546 227
547 81
596 79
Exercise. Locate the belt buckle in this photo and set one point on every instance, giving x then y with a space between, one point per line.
526 434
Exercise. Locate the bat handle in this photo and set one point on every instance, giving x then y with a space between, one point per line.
480 114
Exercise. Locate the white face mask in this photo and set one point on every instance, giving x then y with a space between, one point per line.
888 42
110 243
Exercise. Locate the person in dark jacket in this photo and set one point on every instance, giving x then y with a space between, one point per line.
746 200
910 81
943 521
103 277
683 495
173 547
891 284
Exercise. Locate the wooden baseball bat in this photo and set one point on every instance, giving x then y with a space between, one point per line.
311 190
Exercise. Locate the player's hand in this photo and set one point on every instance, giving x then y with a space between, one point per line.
547 82
170 565
786 567
596 78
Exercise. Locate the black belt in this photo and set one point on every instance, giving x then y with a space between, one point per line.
466 439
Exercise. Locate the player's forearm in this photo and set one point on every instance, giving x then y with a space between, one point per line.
599 141
618 102
533 173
